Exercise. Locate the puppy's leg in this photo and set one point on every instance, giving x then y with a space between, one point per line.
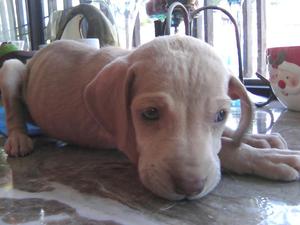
11 78
274 140
272 163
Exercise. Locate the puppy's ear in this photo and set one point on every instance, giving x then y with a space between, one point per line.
236 90
108 99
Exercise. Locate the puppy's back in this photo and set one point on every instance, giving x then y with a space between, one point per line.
54 86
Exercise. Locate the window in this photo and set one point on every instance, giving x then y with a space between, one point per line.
13 22
262 24
283 23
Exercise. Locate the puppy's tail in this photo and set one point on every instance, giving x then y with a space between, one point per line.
12 75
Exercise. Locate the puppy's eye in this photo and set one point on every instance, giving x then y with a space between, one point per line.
150 113
220 116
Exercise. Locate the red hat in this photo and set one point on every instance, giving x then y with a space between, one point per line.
278 55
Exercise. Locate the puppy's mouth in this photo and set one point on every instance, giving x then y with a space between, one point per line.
166 186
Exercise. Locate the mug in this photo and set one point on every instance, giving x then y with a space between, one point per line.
284 72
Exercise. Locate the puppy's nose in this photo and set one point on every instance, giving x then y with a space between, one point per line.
188 187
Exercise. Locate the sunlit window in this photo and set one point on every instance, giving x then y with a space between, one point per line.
262 24
13 21
283 23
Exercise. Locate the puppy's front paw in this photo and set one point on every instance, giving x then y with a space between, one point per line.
276 164
18 144
274 140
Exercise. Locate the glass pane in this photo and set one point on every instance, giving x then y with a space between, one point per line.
60 4
13 23
7 31
220 31
224 34
75 2
283 23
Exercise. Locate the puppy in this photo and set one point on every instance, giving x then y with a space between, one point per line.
163 104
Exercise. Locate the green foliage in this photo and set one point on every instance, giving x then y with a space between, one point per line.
216 2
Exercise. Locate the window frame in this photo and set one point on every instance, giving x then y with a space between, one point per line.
255 85
251 82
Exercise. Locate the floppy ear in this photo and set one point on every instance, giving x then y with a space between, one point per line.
236 90
107 98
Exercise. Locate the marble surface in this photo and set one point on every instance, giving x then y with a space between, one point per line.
70 185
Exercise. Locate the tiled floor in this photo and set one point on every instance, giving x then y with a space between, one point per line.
70 185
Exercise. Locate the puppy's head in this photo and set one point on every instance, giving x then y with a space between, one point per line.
166 104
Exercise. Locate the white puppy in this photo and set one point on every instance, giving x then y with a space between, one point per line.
163 104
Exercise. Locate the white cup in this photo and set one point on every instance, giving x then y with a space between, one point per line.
93 42
20 44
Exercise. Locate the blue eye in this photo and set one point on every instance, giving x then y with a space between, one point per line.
220 116
150 113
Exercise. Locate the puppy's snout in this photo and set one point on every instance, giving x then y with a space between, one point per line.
188 187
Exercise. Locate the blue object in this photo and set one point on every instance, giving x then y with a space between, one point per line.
236 103
234 2
31 129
